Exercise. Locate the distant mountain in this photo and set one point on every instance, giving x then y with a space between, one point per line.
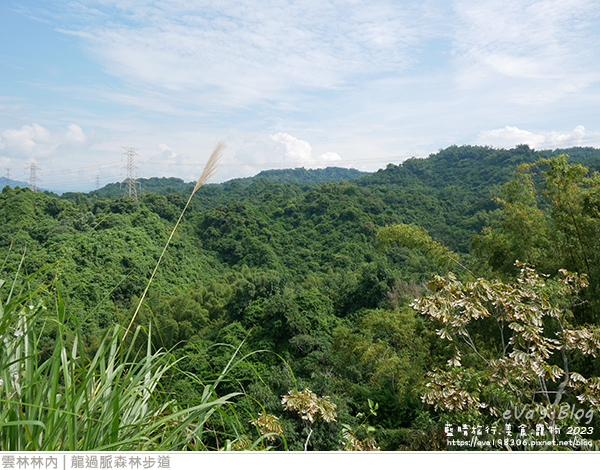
177 185
303 176
145 185
12 183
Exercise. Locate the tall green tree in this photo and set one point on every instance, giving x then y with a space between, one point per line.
516 350
550 218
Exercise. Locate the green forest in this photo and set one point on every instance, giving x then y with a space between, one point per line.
444 298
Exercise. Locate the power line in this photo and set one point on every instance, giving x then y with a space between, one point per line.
79 169
290 164
131 181
33 179
68 174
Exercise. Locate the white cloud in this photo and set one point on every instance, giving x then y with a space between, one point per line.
296 150
11 104
374 81
298 153
238 53
27 141
74 137
509 137
35 141
329 158
166 153
528 51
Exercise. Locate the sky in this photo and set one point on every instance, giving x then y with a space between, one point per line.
286 84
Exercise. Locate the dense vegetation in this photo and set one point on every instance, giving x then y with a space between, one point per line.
311 279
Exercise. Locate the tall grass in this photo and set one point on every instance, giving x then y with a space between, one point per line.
52 398
58 400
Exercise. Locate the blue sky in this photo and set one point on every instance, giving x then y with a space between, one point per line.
286 84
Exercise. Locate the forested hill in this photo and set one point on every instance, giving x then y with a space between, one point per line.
303 176
450 193
477 167
145 185
164 185
297 273
473 166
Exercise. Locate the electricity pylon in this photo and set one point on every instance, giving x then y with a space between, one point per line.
131 181
33 179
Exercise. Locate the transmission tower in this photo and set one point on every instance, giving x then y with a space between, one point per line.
8 177
131 181
33 179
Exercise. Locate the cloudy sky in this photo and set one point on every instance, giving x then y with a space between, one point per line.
309 83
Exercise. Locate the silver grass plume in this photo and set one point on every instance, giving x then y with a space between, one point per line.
211 166
209 170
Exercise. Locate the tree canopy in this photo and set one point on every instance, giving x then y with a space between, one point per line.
443 290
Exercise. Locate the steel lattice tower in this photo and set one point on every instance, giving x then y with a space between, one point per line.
33 179
131 181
